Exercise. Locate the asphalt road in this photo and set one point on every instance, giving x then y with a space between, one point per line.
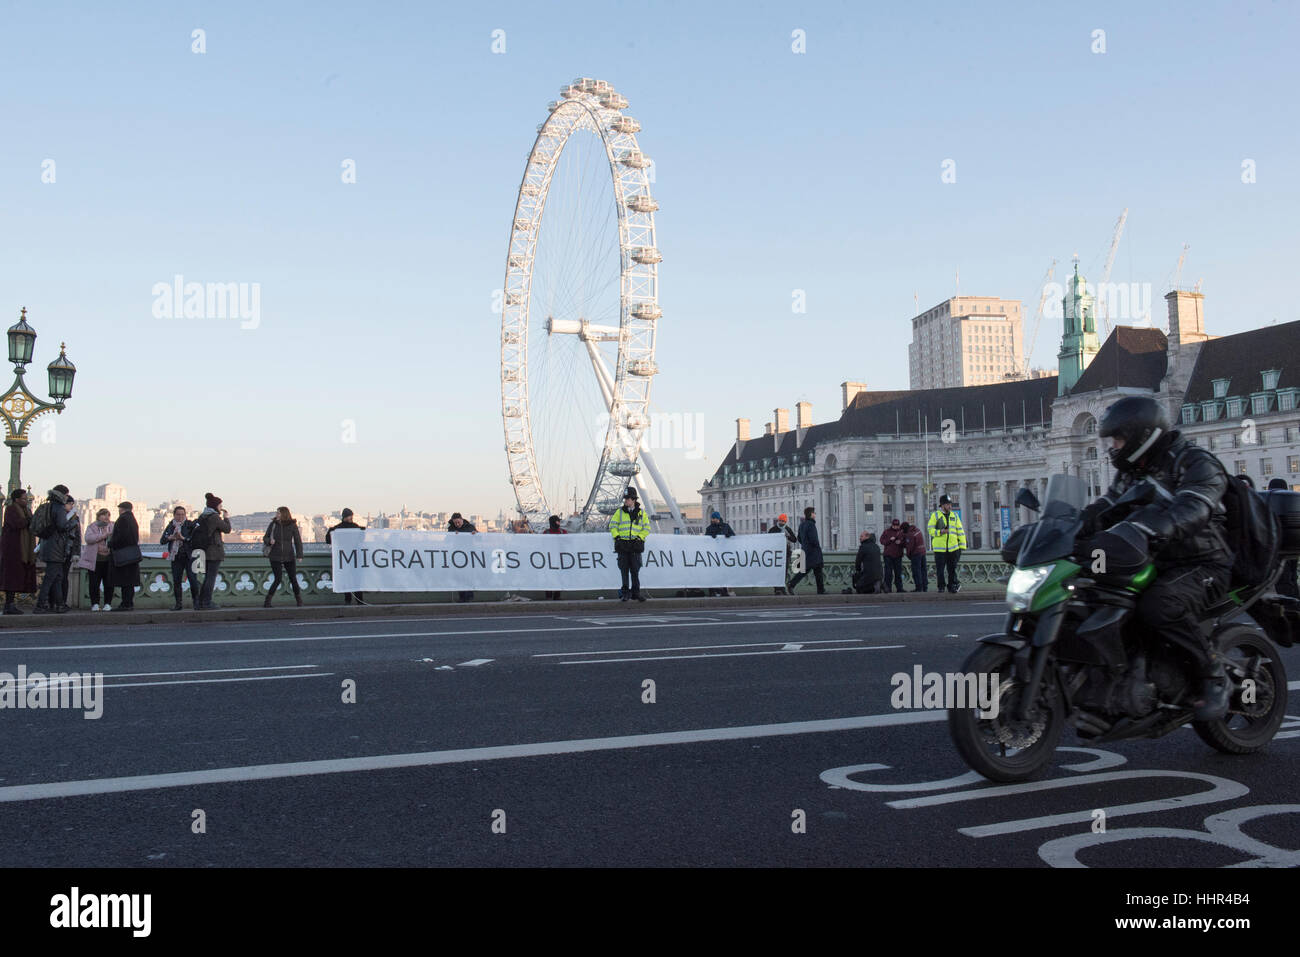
530 739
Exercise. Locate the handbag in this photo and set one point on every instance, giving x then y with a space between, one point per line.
126 555
269 546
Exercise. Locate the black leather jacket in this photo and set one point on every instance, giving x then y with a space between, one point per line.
1185 525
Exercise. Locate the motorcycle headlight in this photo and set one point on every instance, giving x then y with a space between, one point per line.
1024 582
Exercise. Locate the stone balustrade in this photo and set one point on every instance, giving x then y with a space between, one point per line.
245 576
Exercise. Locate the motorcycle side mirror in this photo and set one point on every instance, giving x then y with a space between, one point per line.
1027 499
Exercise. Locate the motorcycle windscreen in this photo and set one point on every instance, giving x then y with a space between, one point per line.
1067 492
1053 536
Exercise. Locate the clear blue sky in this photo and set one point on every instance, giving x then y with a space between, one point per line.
775 171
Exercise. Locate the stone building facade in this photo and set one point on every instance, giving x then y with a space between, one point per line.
892 454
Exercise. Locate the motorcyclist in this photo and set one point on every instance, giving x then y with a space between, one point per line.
1184 529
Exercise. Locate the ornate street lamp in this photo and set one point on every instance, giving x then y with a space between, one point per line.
18 407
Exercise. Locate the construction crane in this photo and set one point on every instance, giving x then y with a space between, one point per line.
1178 273
1105 274
1038 318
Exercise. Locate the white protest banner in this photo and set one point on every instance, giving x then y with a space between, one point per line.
404 560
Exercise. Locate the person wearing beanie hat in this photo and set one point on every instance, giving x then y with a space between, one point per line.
893 546
553 527
715 528
782 527
50 524
124 556
207 548
459 525
630 525
346 516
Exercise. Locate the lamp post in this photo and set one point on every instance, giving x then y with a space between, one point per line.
18 407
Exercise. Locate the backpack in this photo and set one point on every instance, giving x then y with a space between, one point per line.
201 537
1253 534
42 525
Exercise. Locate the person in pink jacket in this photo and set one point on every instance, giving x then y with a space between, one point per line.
94 558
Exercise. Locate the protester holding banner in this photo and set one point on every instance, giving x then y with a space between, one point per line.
630 525
553 528
459 525
718 527
346 522
782 527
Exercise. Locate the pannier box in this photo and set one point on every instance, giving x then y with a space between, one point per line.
1286 506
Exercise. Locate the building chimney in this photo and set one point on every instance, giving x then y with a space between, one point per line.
849 391
1186 317
803 415
767 429
782 417
742 430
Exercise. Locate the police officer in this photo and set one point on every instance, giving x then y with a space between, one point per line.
630 525
1184 529
947 541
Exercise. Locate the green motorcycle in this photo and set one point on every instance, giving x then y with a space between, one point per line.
1073 650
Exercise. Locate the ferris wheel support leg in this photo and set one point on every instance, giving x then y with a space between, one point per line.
607 390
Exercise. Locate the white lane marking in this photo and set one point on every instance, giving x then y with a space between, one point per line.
455 634
352 623
384 762
734 654
206 671
791 647
211 681
1293 685
28 631
475 662
740 644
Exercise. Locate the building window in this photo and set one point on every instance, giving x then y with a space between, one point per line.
1211 442
1234 408
1271 377
868 502
1293 463
1211 412
1265 467
1286 401
1259 404
1189 414
1220 388
1240 466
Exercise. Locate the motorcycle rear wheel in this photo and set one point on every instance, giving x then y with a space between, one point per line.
1003 748
1248 726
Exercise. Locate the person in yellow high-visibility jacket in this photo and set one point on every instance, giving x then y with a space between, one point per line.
630 525
947 541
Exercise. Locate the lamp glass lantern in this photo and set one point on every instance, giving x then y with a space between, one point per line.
22 340
62 372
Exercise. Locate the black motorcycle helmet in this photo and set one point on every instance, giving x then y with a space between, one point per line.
1140 421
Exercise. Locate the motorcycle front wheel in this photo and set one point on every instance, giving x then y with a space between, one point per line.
1004 747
